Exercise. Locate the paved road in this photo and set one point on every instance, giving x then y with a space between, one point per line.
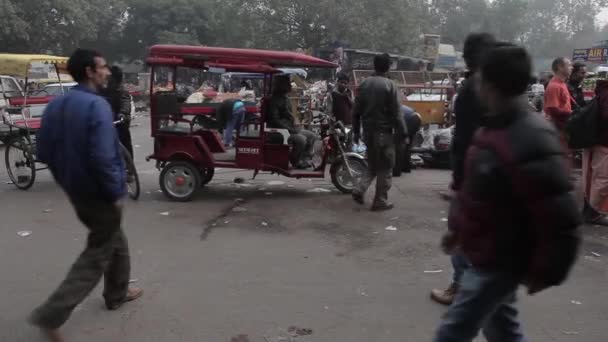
293 256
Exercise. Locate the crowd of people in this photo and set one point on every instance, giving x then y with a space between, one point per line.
513 219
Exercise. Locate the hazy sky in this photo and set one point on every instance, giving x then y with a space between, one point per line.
602 18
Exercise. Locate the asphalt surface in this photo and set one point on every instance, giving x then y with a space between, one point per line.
295 261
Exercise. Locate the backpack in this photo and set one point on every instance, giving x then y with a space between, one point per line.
582 127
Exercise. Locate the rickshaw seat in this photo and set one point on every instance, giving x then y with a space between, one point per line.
165 103
175 129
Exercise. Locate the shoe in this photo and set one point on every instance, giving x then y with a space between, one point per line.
132 294
446 196
382 206
358 198
445 297
600 220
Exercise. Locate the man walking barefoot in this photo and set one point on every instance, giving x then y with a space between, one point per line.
80 145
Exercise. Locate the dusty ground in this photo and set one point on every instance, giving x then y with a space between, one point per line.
293 256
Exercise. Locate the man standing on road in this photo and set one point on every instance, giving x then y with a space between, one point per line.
377 109
515 217
79 144
469 112
558 102
575 84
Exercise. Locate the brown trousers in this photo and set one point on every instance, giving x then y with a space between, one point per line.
106 254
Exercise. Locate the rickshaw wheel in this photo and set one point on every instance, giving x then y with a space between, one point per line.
179 181
20 162
340 176
207 175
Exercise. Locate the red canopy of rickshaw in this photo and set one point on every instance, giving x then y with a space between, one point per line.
235 60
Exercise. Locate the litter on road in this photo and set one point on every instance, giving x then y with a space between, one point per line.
24 233
134 280
46 211
275 182
391 228
444 220
433 271
576 302
166 213
570 332
596 254
265 224
318 190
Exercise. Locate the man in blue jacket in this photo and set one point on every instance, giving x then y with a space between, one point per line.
79 143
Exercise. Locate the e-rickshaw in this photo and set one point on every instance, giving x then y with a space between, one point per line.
187 153
22 118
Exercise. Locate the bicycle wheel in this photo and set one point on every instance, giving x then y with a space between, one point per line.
20 162
132 176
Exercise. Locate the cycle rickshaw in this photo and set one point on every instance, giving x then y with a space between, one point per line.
23 117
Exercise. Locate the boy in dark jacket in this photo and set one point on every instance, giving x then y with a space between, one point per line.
469 110
120 101
515 217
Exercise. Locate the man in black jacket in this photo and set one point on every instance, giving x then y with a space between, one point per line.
120 101
279 116
469 111
515 217
575 84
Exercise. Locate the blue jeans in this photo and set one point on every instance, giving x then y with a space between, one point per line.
485 301
234 123
459 263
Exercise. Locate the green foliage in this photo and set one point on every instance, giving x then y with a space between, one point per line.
125 28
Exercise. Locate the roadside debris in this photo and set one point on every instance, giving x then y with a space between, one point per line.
134 280
576 302
265 224
24 233
433 271
275 182
166 213
137 146
46 211
596 254
299 331
391 228
318 190
444 219
570 332
240 338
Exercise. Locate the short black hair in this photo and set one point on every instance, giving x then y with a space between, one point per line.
117 74
382 63
508 69
559 61
475 46
578 66
79 61
342 77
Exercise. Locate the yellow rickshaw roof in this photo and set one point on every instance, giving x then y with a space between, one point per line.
19 65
